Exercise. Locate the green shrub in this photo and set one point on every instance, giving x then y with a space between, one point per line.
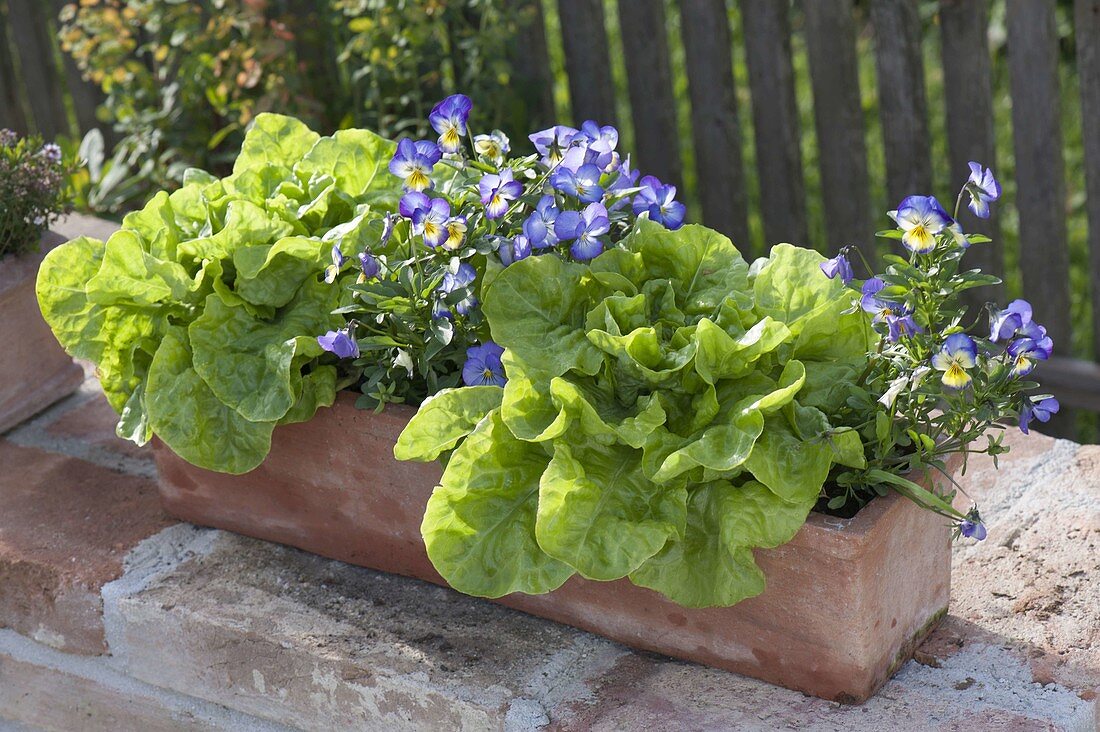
184 79
32 190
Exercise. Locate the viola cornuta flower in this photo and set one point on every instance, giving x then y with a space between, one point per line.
582 183
871 302
449 118
552 143
599 143
493 146
958 235
1042 410
413 162
514 249
958 354
972 527
462 278
983 189
1026 351
584 229
456 232
333 270
369 265
483 366
339 343
658 200
838 266
430 221
539 226
901 323
1014 320
498 191
921 218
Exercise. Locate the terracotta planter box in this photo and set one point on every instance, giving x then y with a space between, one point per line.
34 370
847 600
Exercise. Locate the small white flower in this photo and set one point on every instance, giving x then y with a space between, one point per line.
896 387
404 360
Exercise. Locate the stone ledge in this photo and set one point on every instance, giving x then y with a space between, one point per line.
317 644
66 525
41 688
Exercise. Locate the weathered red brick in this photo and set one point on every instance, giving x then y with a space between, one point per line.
65 527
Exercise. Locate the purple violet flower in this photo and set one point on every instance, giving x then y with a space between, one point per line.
1026 351
983 189
338 259
461 279
1041 410
958 354
449 118
552 143
340 343
584 229
838 265
659 201
498 191
483 366
370 266
413 163
582 183
539 226
921 218
514 249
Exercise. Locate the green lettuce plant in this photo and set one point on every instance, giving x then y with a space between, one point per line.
201 313
665 413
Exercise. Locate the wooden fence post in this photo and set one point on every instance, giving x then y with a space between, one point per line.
584 39
715 125
838 116
767 33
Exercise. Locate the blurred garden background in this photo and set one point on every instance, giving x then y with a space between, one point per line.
144 89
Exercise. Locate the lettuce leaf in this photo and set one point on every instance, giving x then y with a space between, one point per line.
651 426
201 314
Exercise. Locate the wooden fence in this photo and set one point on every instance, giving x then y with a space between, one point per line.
55 99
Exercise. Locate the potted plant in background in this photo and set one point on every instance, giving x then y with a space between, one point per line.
638 404
34 371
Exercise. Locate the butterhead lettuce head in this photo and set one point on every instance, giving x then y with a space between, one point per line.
666 412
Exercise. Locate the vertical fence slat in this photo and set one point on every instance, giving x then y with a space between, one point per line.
968 97
649 83
767 33
584 40
715 124
838 117
29 28
903 107
1040 171
1087 26
530 61
11 113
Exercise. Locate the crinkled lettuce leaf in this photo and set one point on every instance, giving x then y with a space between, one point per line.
651 426
201 314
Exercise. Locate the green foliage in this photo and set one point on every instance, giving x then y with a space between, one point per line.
183 80
653 424
33 192
201 313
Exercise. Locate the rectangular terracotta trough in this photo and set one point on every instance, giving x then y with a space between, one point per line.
847 600
34 370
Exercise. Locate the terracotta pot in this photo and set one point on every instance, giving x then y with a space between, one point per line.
35 371
846 604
